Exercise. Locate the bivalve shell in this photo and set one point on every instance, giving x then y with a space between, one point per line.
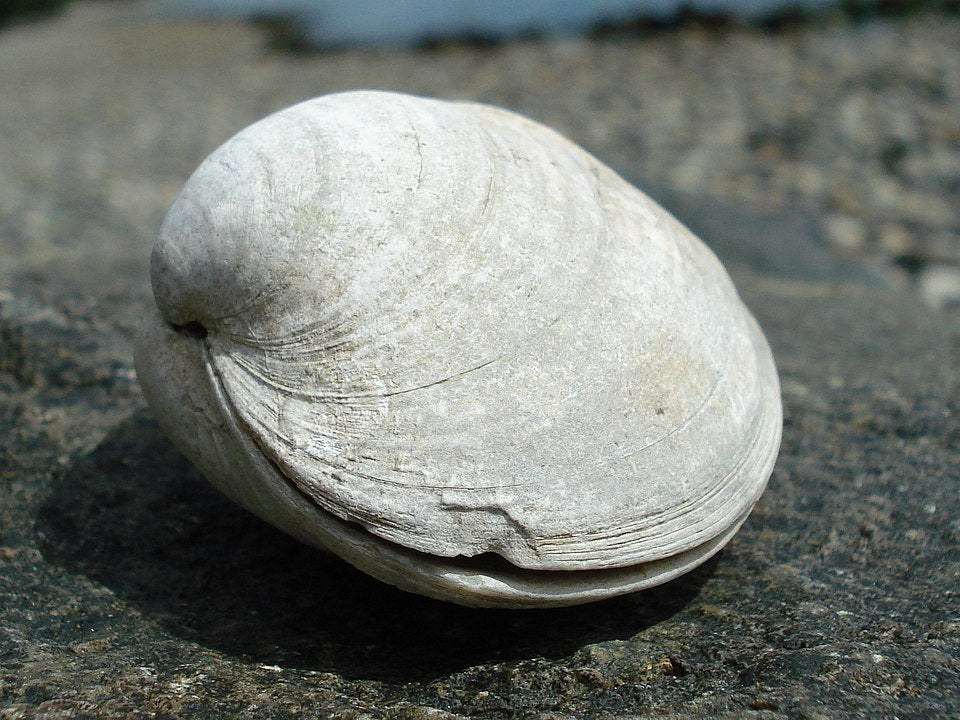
445 343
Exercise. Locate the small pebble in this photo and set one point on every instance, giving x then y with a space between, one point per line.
896 240
846 233
939 286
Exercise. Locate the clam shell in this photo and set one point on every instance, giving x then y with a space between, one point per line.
447 344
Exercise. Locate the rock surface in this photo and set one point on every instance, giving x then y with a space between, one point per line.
128 587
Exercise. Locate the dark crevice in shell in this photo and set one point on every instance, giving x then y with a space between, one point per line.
194 329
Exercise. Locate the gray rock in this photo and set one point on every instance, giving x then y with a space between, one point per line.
128 585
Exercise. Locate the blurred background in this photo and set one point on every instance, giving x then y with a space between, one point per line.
799 135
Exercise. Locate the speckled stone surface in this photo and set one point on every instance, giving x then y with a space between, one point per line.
130 588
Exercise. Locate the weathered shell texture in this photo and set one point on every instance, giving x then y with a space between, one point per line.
452 347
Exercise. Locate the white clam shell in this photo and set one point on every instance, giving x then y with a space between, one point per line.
449 345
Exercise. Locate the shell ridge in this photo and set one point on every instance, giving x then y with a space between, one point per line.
686 421
292 472
315 336
416 137
672 513
654 519
263 296
448 378
746 460
282 466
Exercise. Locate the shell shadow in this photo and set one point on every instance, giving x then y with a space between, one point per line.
136 517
